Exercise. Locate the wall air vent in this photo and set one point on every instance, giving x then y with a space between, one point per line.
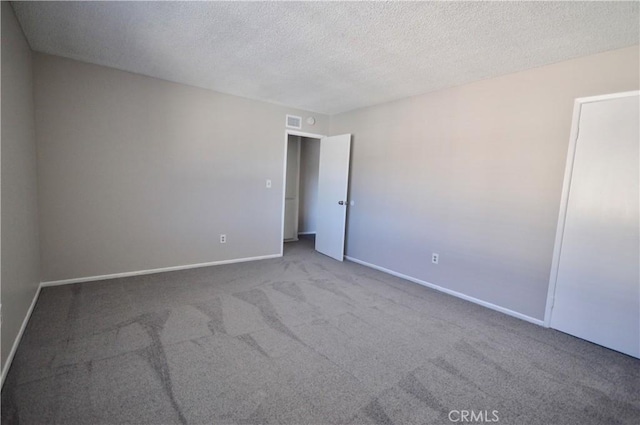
294 122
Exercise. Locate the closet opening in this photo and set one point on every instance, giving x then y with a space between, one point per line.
301 187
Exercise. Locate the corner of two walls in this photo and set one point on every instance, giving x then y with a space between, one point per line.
473 173
128 173
20 257
138 173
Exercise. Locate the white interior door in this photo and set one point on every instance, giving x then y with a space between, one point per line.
291 199
597 295
333 183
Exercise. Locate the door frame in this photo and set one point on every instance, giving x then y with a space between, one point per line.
297 181
287 133
564 200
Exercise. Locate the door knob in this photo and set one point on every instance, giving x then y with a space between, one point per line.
340 202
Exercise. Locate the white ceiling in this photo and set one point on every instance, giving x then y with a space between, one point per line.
326 57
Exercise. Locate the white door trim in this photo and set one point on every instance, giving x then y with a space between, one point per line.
287 133
296 204
573 140
297 213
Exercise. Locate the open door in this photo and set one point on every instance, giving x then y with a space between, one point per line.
597 283
333 183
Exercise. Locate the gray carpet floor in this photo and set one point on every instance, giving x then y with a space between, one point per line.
301 339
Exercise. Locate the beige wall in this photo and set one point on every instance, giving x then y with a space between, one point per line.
138 173
475 174
20 248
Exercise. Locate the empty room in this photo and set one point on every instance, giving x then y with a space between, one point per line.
320 212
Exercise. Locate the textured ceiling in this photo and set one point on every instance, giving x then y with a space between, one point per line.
326 57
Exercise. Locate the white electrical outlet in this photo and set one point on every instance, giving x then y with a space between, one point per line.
268 184
223 238
434 258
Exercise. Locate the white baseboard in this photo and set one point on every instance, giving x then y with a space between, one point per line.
306 233
160 270
16 342
450 292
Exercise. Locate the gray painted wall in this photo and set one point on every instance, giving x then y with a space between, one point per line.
138 173
20 246
309 166
475 174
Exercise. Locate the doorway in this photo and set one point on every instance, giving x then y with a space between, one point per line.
314 198
301 187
